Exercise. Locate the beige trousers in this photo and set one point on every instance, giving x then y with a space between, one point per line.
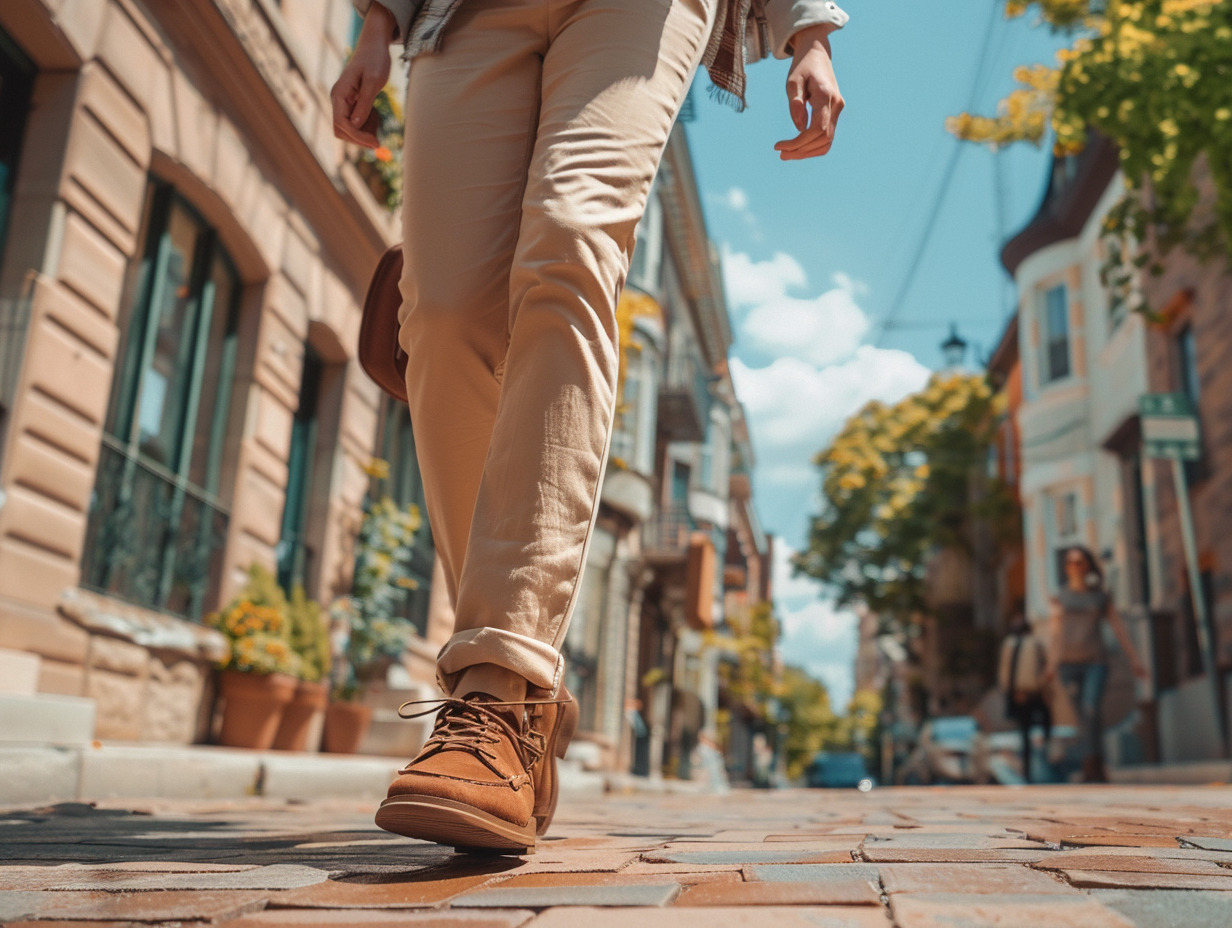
532 140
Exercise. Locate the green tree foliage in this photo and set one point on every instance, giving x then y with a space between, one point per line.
1155 76
896 485
748 672
810 719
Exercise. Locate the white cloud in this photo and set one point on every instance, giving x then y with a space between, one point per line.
737 199
821 330
795 406
748 282
801 371
816 636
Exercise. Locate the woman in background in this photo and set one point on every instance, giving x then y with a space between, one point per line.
1077 655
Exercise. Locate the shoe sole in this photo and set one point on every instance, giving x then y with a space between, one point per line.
463 827
566 724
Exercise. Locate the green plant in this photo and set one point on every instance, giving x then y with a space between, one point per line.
385 161
1155 77
308 635
375 633
256 629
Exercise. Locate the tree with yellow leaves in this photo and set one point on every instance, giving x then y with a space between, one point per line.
1155 77
896 485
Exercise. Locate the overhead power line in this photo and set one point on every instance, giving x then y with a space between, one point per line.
978 78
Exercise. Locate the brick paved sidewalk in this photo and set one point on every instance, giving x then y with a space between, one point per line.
1038 857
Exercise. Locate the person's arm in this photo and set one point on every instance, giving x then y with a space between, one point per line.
403 12
363 76
1053 647
1003 665
1127 643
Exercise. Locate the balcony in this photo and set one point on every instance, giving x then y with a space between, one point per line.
684 399
666 537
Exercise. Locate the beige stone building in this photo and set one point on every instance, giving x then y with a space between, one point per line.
185 246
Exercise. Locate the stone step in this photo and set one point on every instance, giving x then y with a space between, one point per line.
19 672
46 718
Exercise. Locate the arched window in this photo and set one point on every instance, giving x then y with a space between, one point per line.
157 519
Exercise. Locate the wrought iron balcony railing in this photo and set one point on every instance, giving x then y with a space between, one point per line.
153 538
669 532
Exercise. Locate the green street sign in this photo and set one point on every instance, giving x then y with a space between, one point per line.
1169 427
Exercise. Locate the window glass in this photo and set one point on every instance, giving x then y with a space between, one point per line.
162 391
157 525
405 487
1055 331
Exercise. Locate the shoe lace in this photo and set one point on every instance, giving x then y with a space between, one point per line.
474 726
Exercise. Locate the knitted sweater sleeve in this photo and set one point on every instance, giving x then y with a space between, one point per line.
784 18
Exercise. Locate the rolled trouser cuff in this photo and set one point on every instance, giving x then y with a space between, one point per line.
540 664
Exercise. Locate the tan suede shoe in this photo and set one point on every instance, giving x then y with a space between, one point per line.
473 784
555 721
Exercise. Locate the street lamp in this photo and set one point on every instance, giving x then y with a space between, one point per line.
954 348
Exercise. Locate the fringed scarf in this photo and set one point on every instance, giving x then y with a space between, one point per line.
724 55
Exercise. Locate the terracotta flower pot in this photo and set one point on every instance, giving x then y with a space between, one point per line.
310 698
253 704
346 724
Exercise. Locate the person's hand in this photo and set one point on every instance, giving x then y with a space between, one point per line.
362 78
812 95
1140 671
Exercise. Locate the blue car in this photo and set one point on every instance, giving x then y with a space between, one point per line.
839 770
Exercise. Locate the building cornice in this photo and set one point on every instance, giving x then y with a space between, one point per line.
696 256
1067 203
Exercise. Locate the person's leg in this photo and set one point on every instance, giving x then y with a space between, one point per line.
1093 698
1024 726
1072 677
471 114
614 77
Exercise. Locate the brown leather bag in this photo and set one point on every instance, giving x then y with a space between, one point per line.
380 355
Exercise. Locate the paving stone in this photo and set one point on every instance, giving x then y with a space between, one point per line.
959 910
962 840
750 854
955 855
840 892
1167 908
1210 844
392 891
1131 863
323 918
174 905
595 894
279 876
616 879
15 904
734 917
1119 840
1137 880
980 879
813 873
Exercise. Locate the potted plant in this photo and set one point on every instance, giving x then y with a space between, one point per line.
381 167
258 675
370 634
309 639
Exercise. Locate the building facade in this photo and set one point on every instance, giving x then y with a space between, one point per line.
184 248
1087 358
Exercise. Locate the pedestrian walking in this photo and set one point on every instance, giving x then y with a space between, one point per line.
534 131
1021 674
1077 655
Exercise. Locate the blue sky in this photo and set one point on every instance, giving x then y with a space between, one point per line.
816 252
